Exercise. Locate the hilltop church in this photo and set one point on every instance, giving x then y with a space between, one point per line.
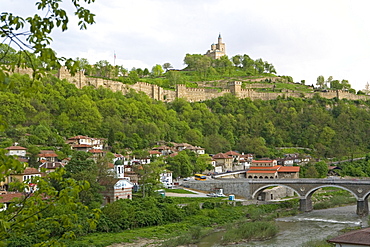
217 50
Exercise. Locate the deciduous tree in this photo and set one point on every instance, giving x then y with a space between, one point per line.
167 66
320 82
157 70
34 32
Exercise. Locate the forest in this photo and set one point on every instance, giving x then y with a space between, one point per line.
46 112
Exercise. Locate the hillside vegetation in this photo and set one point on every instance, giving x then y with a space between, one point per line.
47 112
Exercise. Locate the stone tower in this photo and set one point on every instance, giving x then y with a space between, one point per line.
235 88
217 50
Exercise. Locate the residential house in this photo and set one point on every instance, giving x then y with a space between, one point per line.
4 185
181 146
217 168
47 155
334 171
19 152
286 161
165 150
237 165
166 178
264 163
154 153
7 198
118 157
81 147
85 143
288 172
140 161
51 166
131 176
295 158
26 177
66 160
224 161
198 150
96 153
245 160
234 154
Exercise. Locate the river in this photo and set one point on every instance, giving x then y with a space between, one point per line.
296 230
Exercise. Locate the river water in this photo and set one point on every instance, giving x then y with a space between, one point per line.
296 230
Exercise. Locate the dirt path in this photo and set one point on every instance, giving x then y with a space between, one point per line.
143 242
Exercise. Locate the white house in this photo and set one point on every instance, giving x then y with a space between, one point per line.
166 178
16 151
85 143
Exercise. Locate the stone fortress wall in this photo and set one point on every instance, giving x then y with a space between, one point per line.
192 94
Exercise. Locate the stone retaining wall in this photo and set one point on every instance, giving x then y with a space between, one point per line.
191 94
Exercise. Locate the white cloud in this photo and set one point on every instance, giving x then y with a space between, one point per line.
303 39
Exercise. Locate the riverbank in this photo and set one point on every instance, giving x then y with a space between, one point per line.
308 229
201 217
214 214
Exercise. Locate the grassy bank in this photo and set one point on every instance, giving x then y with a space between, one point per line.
244 231
203 216
332 197
214 214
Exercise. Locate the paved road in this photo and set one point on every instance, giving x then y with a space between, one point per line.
198 194
342 161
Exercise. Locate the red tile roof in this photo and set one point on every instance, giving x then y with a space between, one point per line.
232 153
277 167
51 165
357 237
78 137
81 146
15 148
22 160
221 156
289 169
48 154
30 170
9 196
95 151
163 147
154 152
258 171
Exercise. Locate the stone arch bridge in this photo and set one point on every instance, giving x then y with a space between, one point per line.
306 187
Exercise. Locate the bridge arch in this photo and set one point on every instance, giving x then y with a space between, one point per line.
273 185
306 187
366 196
312 191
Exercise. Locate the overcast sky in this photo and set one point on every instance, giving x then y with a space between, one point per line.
302 39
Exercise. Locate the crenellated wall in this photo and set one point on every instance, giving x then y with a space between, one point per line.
191 94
